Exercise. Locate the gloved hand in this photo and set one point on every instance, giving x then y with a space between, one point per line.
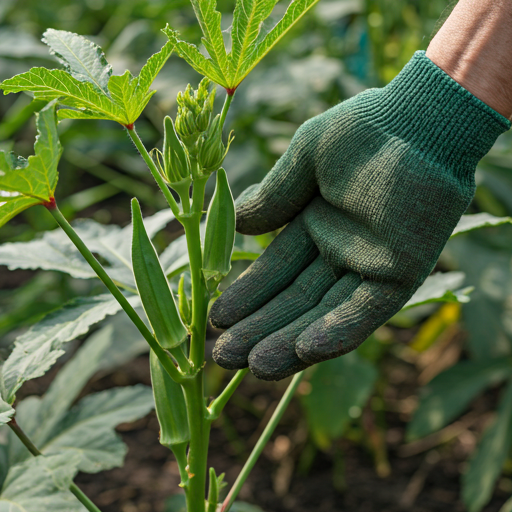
371 191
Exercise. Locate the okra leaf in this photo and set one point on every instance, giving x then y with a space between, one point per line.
448 395
296 10
209 21
81 58
189 52
249 44
487 461
6 412
54 251
339 390
88 428
478 220
132 94
86 89
41 484
247 19
79 99
24 183
39 348
440 287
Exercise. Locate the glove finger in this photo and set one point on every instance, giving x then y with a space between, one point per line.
346 326
233 347
283 260
275 357
284 191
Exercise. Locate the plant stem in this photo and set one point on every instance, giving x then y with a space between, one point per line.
32 448
194 388
225 108
218 404
173 205
164 359
262 441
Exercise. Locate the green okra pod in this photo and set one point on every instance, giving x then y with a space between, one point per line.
171 411
153 286
220 233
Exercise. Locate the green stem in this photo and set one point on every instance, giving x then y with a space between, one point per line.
173 205
32 448
225 108
262 441
194 388
114 290
218 404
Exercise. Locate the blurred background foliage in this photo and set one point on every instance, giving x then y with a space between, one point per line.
340 49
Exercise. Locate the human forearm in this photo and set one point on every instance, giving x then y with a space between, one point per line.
474 47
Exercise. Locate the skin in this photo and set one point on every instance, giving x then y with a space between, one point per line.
474 48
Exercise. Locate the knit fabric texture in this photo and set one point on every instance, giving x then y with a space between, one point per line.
370 192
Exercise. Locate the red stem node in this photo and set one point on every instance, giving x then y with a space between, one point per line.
51 204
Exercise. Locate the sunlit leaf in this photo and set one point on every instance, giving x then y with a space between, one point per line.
86 89
209 21
41 484
81 98
296 10
440 287
132 94
487 461
24 183
249 44
479 220
83 59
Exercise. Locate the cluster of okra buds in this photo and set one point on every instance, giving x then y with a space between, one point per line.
193 146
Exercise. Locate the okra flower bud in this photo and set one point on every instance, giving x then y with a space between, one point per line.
211 149
175 156
194 113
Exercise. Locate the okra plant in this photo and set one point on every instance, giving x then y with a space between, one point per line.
194 146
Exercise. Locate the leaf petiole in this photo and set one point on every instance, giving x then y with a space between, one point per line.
173 205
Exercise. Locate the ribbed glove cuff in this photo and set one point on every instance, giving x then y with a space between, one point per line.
428 109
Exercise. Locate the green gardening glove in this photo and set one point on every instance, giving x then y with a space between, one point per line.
371 191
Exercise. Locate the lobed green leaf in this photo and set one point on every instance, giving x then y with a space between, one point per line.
81 58
249 44
40 347
86 89
88 428
41 484
25 183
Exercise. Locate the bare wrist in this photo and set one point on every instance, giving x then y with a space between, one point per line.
474 47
